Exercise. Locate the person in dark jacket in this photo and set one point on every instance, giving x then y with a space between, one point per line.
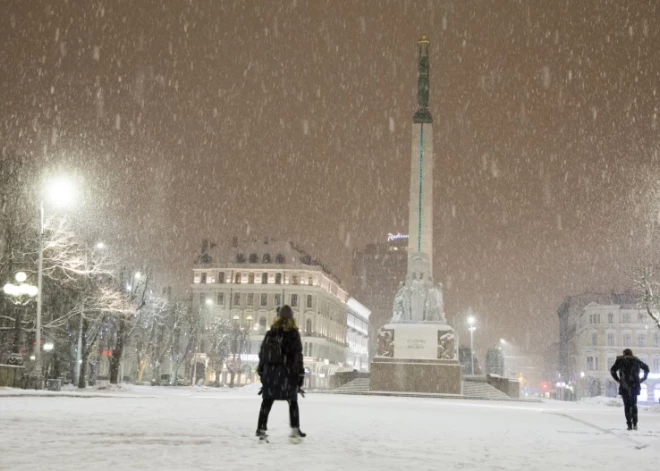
281 371
625 371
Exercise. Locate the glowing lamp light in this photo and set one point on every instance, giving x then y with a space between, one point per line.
48 346
61 192
20 276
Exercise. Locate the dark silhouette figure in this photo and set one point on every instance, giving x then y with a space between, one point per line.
281 371
625 371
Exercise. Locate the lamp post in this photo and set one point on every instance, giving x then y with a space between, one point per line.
61 192
20 295
472 328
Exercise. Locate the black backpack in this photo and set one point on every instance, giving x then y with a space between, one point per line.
272 350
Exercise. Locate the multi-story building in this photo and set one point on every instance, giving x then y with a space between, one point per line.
357 335
603 331
602 326
377 271
246 282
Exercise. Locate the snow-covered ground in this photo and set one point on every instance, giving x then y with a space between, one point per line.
145 428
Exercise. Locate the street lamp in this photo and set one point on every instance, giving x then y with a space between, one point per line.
471 321
22 293
61 193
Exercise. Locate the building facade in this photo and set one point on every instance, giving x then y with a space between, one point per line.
246 282
357 335
603 332
594 329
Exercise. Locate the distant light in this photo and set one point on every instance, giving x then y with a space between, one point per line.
32 357
100 246
209 301
471 320
581 374
128 287
48 346
20 277
137 275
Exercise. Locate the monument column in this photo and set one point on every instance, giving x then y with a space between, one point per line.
417 350
420 206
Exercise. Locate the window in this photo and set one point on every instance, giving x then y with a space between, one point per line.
294 300
278 278
594 338
308 327
202 298
240 258
294 280
656 365
279 258
250 299
237 299
610 318
610 339
203 277
590 363
264 299
309 301
656 340
626 318
262 322
237 278
221 277
266 258
251 278
264 278
641 340
278 300
627 340
221 299
610 361
254 258
310 281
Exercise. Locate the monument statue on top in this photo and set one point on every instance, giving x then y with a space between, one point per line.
417 350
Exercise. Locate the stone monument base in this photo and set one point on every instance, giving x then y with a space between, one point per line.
416 376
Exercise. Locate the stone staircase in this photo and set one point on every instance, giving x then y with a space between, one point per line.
358 385
471 389
482 390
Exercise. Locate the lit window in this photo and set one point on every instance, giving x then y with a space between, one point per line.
294 280
251 278
237 279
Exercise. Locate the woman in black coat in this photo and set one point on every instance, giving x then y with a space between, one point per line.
281 371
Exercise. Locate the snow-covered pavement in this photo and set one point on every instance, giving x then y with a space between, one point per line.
184 429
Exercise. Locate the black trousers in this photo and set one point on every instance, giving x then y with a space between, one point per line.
630 408
266 404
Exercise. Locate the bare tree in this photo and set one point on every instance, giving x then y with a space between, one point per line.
647 285
135 284
185 337
218 340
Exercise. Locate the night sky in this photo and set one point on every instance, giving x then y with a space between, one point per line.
292 119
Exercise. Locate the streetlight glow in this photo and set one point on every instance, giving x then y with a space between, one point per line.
471 320
61 192
20 276
48 346
100 245
209 301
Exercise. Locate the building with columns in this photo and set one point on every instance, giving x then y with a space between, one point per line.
245 282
